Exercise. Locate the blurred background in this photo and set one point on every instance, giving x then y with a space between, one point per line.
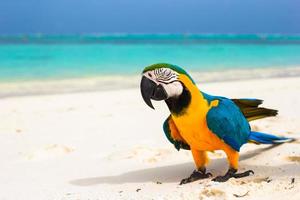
111 39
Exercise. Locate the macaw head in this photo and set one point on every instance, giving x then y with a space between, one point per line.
163 81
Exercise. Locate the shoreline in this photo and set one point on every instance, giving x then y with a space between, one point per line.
119 82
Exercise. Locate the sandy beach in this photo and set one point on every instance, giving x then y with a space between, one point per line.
110 145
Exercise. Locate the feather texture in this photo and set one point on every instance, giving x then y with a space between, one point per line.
169 131
251 111
228 123
264 138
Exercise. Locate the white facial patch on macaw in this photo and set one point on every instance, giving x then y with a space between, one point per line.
168 78
173 89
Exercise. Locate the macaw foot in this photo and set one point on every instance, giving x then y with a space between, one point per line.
196 175
232 173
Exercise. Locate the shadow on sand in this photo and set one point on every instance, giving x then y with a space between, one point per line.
174 173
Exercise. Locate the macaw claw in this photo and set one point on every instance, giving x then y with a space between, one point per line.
231 173
177 145
196 175
181 145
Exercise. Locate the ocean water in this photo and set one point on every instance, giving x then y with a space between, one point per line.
40 57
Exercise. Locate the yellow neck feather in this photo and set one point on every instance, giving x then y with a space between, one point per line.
198 106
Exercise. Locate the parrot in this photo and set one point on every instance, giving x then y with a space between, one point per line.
203 123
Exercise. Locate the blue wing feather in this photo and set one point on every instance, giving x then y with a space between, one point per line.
227 122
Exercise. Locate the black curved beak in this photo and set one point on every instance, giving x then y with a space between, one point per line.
150 90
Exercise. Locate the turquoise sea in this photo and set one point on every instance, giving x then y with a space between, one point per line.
39 57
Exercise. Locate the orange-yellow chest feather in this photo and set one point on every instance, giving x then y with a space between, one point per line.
192 124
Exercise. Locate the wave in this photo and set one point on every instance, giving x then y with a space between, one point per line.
150 38
114 82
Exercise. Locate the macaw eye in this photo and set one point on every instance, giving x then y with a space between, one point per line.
150 75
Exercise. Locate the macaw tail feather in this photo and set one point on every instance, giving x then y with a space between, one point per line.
264 138
251 111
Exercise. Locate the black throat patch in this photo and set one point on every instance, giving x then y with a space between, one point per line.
178 105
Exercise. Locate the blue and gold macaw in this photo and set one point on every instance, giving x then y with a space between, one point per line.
201 122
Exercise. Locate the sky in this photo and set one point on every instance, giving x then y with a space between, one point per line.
149 16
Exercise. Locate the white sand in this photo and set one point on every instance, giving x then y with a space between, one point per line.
110 145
